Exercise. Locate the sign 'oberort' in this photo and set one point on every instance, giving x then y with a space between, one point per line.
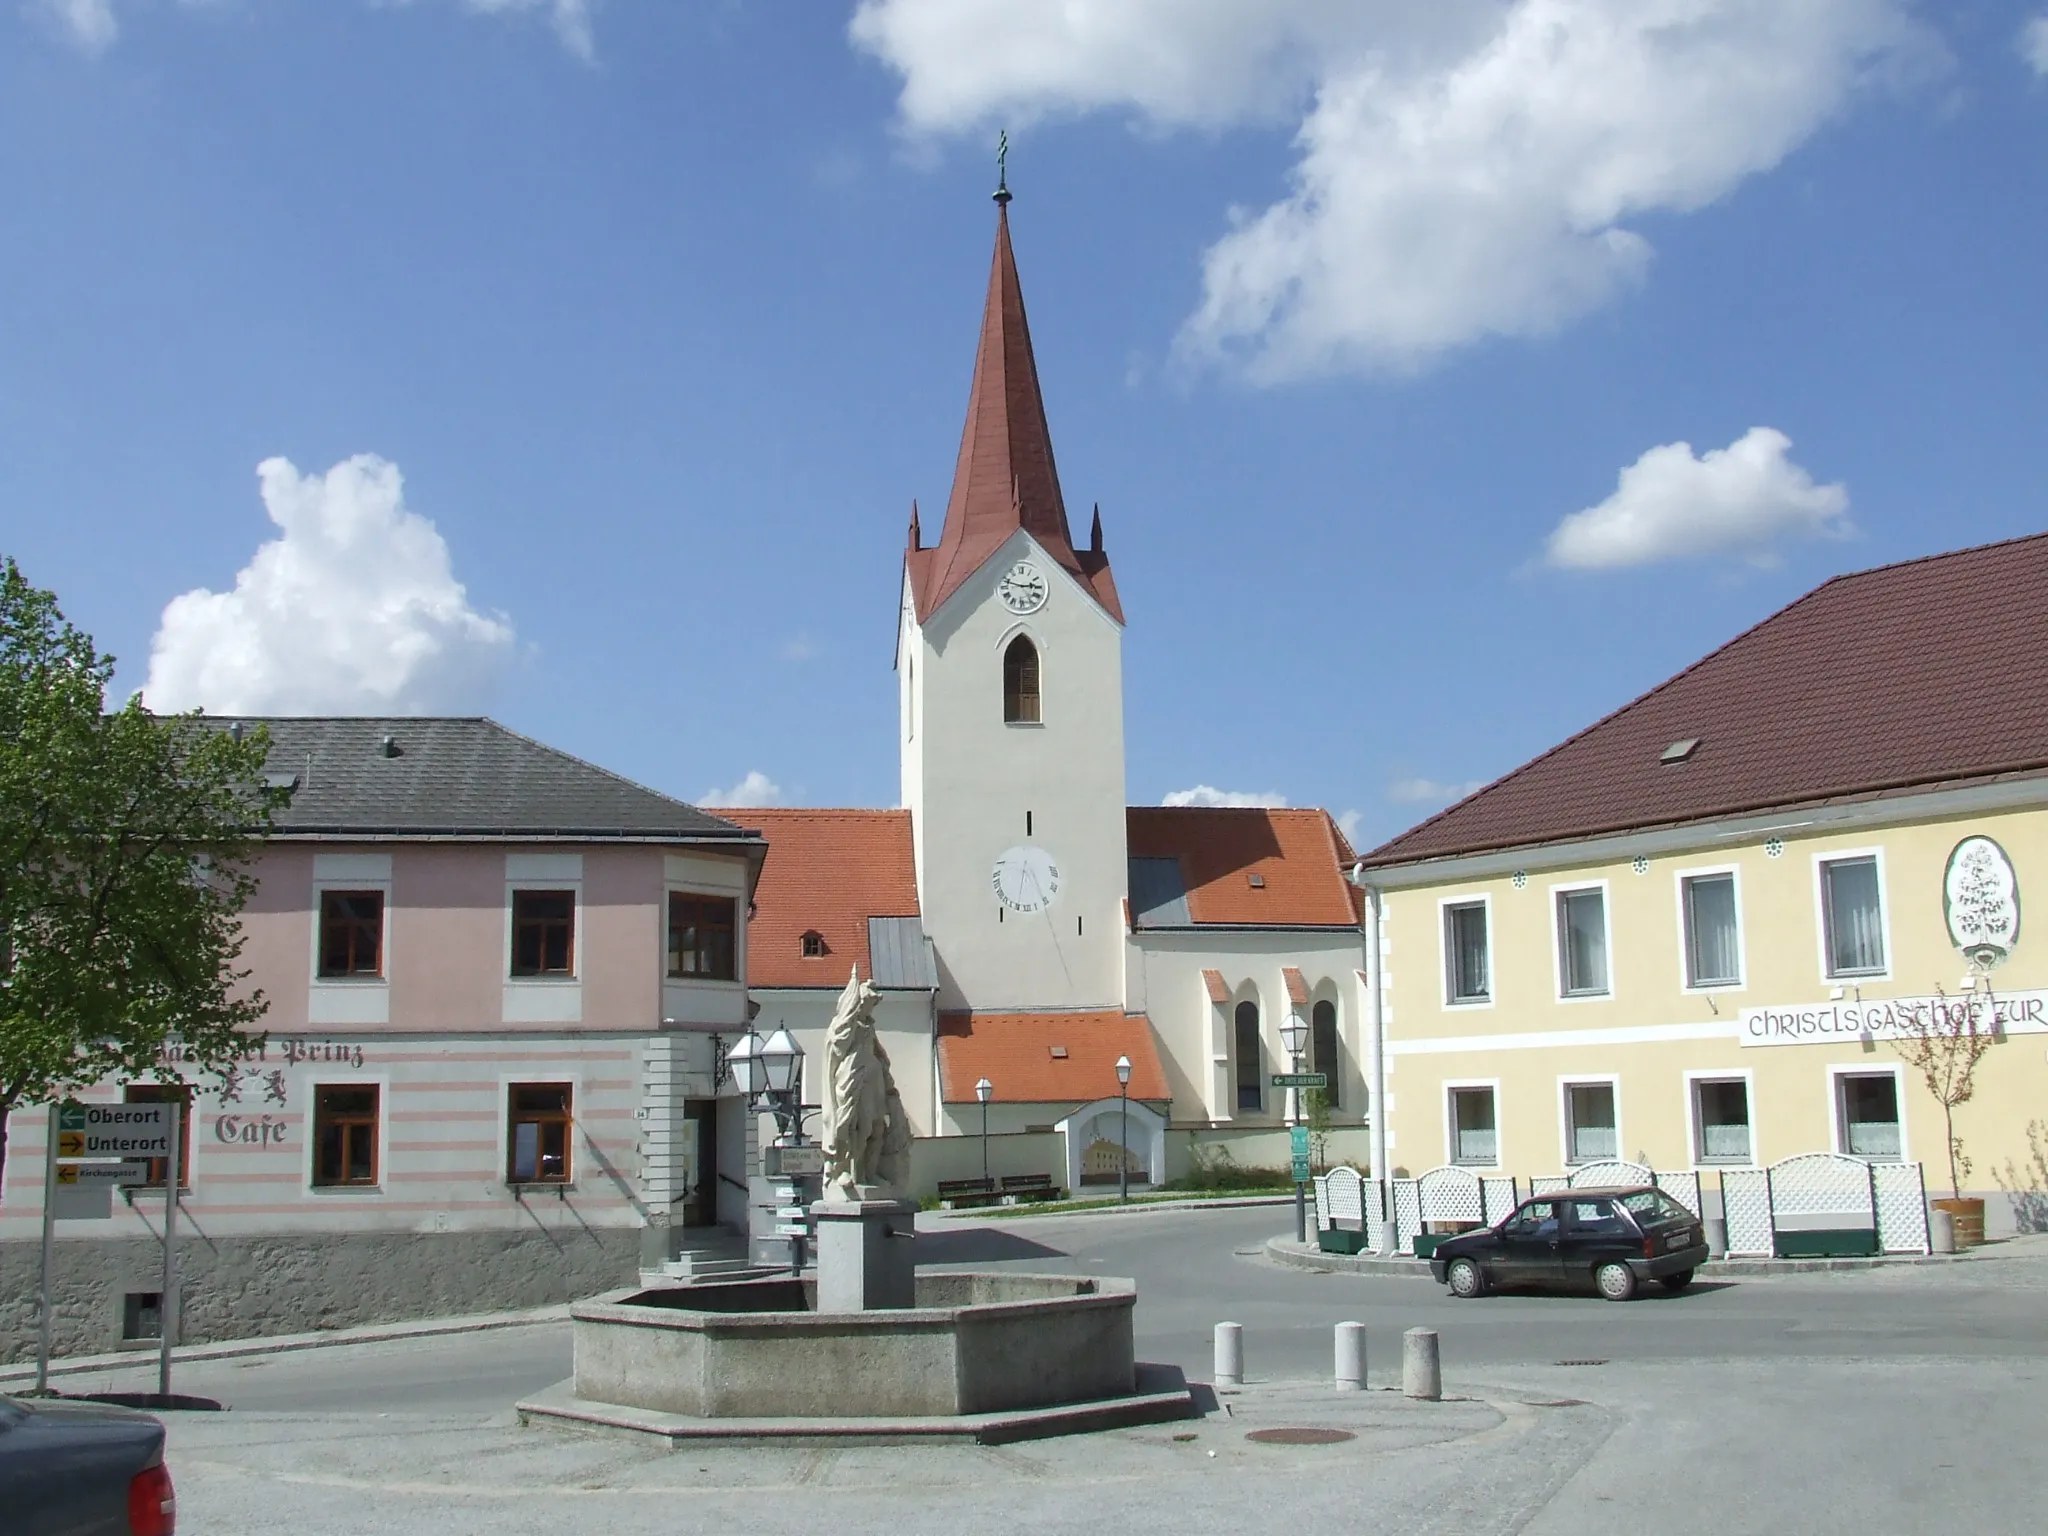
2010 1013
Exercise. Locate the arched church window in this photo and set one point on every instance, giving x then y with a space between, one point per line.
1251 1075
1322 1037
1020 683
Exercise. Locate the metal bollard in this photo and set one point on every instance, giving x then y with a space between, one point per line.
1351 1357
1941 1231
1229 1355
1421 1369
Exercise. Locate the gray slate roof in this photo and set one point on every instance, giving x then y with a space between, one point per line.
458 777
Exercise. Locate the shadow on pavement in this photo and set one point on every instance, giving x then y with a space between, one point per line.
980 1245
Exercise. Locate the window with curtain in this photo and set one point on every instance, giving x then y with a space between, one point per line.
1868 1104
1322 1039
1582 942
1711 953
1020 683
1251 1058
1474 1138
1721 1112
1589 1122
1853 914
1470 975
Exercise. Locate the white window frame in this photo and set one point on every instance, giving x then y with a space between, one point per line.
1838 1119
1820 916
1452 1085
1685 981
309 1086
1565 1085
350 872
1557 896
1744 1075
1484 900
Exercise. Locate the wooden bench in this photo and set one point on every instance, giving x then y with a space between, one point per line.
964 1194
1028 1186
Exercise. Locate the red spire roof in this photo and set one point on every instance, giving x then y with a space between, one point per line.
1005 478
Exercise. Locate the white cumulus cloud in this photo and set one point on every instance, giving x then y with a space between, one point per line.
755 789
1742 500
1430 792
570 18
2034 43
352 609
1466 168
1208 794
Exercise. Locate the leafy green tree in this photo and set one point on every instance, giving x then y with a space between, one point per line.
1315 1114
126 843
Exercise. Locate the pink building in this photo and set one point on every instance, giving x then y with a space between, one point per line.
498 978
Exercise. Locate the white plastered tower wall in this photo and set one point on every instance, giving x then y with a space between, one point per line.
977 786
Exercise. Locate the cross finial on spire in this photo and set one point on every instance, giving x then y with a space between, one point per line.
1002 168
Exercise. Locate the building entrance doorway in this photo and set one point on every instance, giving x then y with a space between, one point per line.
700 1151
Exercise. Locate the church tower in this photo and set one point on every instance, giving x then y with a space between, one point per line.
1009 662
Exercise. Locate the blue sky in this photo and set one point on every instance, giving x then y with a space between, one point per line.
1351 322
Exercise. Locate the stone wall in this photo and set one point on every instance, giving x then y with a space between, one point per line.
248 1287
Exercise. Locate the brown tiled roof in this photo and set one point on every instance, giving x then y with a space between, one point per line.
1218 988
1911 675
1297 985
827 872
1256 865
1005 478
1047 1058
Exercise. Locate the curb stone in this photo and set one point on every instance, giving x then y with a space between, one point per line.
1285 1251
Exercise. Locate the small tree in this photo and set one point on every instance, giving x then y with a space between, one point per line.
1315 1114
125 849
1943 1042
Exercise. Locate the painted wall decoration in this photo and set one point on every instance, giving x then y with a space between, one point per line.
1980 897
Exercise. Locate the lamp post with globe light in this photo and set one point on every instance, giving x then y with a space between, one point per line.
1293 1036
1123 1137
770 1073
984 1091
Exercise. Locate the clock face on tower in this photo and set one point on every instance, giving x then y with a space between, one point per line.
1026 879
1023 588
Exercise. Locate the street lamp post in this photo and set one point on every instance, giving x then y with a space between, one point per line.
984 1091
1123 1136
771 1074
1294 1035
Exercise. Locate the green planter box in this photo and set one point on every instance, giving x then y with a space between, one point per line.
1338 1240
1425 1243
1827 1243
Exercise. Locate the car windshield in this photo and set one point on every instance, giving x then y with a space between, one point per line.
1652 1207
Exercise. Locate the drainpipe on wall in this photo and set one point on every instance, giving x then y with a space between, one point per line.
1369 919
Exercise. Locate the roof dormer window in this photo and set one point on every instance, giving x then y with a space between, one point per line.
814 946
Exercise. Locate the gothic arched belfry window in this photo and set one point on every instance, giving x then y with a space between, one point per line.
1020 683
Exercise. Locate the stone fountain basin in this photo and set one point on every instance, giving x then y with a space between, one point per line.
976 1343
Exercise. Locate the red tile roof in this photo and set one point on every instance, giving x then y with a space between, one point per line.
1906 676
1297 985
1298 857
1218 988
827 872
1005 478
1047 1058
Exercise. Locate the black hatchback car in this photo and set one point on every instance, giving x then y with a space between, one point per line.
1612 1240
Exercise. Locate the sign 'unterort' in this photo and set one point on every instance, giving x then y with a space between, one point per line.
1849 1023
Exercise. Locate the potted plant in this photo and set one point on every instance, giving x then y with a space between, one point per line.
1943 1041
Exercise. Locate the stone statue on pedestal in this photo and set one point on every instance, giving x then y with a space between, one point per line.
864 1128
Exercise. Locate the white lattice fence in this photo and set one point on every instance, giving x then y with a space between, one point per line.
1746 1207
1822 1187
1407 1213
1376 1217
1549 1184
1340 1200
1901 1207
1602 1175
1497 1196
1682 1187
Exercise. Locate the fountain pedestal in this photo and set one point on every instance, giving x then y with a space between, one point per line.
867 1254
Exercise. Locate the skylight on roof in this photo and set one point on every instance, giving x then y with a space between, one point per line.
1680 750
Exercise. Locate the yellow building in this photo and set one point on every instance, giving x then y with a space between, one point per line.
1702 933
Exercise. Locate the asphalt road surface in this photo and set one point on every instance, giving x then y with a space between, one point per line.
1868 1402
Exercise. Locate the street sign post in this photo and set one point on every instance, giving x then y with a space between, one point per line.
1298 1140
122 1175
1301 1079
113 1130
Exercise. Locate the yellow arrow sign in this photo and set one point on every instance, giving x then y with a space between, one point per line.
71 1144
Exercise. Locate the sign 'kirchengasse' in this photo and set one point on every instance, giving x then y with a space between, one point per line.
2004 1013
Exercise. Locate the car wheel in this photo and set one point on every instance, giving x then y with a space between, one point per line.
1676 1282
1615 1281
1466 1279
